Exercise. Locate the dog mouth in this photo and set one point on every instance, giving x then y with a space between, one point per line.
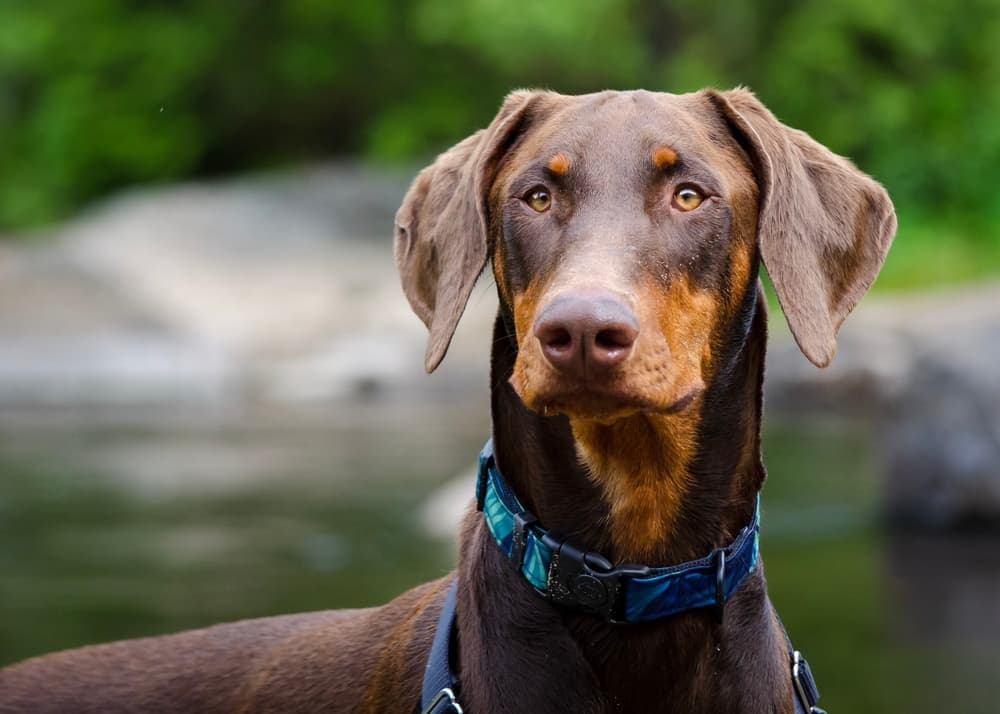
607 404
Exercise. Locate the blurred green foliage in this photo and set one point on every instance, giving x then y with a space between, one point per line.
99 94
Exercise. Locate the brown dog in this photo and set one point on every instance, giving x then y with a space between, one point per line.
625 232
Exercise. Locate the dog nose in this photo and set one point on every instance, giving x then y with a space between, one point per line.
585 333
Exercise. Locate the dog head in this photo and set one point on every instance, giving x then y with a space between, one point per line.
625 231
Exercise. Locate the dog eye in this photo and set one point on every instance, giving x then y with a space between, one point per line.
538 198
687 198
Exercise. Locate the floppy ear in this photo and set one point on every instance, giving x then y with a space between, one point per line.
824 227
441 228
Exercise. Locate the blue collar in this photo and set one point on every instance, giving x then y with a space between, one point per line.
568 575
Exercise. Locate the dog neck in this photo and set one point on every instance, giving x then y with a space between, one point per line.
651 488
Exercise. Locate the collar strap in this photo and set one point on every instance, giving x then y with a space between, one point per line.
568 575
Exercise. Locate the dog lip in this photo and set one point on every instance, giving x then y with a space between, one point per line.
685 400
581 401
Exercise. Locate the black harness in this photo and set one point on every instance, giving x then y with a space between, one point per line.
569 576
440 689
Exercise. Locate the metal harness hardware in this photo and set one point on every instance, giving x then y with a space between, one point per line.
444 702
806 692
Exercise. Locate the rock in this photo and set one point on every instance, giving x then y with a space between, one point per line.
113 369
442 513
942 440
277 288
924 369
945 591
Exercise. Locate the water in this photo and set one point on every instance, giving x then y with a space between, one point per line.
125 529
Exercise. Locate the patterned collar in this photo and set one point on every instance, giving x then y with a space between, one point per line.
567 575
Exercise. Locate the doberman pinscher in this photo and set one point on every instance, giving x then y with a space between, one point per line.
626 231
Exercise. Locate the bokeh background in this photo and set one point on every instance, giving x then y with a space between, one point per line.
211 397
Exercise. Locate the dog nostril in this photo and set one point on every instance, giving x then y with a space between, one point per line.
611 345
558 338
558 344
615 338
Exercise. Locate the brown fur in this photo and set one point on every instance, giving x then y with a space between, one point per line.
656 459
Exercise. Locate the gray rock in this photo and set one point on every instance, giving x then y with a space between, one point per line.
924 370
278 288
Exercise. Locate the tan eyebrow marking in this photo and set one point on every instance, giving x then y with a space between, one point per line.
664 157
559 164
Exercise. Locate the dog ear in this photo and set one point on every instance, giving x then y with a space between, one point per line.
824 227
441 228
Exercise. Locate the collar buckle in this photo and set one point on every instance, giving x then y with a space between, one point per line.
586 580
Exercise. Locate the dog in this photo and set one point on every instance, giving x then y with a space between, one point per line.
625 231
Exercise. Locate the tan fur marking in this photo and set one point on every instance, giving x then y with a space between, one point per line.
739 268
688 319
664 157
641 464
530 370
559 164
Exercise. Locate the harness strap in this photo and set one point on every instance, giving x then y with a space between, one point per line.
440 687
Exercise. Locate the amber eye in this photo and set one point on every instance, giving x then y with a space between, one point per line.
687 198
538 198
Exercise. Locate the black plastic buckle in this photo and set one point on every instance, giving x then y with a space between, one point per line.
586 580
519 538
719 609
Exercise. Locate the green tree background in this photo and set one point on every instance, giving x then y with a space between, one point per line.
102 94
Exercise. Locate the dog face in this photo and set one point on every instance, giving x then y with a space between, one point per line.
625 230
624 245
